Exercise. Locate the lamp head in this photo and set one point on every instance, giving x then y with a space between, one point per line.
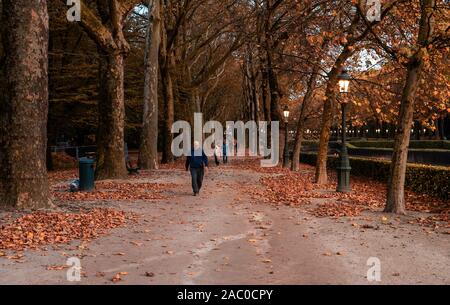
286 113
344 81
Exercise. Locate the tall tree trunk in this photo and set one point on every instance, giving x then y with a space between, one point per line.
298 140
104 24
110 136
166 60
441 123
395 197
248 92
265 95
321 177
330 93
446 126
262 68
247 96
254 90
255 100
148 156
301 120
436 133
51 90
417 130
197 100
275 96
250 88
395 202
24 108
167 89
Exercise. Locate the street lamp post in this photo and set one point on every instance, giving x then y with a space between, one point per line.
286 138
344 162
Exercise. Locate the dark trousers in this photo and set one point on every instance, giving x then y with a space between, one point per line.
225 159
197 179
216 159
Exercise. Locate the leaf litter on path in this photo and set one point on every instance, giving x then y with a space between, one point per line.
281 186
40 229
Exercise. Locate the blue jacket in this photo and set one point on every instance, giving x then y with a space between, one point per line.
194 161
225 149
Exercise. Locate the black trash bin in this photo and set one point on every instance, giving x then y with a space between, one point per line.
86 167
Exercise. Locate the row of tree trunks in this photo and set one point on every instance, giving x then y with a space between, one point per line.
273 108
148 153
24 105
251 88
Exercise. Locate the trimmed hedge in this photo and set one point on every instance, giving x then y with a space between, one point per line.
413 144
314 145
425 179
372 144
310 143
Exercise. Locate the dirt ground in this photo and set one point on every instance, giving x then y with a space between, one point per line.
224 236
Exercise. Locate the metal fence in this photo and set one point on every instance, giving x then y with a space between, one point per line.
75 151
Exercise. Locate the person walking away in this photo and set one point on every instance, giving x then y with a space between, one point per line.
217 153
197 163
225 151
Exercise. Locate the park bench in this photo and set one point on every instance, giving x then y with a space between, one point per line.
131 170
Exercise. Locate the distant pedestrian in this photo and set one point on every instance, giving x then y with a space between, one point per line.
217 154
197 163
225 151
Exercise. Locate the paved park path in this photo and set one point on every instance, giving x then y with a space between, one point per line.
225 237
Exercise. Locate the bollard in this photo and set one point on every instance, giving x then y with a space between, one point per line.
86 167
